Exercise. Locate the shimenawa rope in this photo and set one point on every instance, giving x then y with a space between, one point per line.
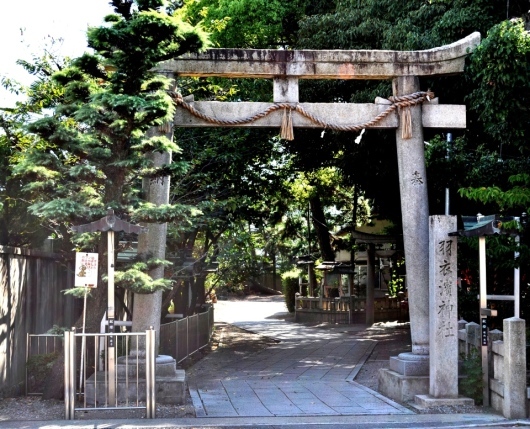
402 103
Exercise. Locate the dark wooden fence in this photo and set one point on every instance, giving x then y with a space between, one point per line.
182 338
337 310
31 282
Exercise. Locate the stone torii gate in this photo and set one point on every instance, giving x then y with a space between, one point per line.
417 110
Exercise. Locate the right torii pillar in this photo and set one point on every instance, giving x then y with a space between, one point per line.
408 374
415 217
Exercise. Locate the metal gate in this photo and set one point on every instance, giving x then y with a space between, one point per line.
127 380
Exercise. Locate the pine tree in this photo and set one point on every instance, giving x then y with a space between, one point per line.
95 146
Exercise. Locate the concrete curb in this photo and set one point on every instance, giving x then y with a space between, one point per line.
409 421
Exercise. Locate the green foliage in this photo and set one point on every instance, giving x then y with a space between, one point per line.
247 23
290 288
471 384
148 212
139 282
39 368
57 330
237 261
95 139
78 292
390 24
517 197
499 69
396 283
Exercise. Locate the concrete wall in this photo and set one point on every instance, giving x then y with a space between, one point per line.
31 302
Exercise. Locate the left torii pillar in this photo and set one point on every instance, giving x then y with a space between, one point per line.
110 224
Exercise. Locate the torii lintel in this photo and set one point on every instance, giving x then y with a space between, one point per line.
287 67
323 64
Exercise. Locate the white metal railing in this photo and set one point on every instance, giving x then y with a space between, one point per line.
127 381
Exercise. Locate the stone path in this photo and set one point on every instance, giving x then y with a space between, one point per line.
310 371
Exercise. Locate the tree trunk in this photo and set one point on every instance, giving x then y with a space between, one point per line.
148 307
321 228
200 280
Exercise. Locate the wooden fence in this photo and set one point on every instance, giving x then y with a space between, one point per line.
337 310
31 282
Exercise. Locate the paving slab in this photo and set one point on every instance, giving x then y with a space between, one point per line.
309 372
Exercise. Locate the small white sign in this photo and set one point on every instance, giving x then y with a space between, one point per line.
86 270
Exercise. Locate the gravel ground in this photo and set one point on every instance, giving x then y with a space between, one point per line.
230 342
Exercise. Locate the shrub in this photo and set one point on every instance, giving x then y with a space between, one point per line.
471 384
290 287
39 367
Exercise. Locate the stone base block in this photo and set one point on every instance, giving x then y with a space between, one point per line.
132 365
168 390
410 364
402 388
428 401
171 390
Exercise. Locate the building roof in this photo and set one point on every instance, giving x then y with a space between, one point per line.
480 226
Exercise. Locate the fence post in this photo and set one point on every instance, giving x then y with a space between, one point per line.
514 404
27 358
210 313
177 357
69 374
472 337
150 401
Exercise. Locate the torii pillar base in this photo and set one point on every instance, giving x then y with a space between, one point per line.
427 401
407 377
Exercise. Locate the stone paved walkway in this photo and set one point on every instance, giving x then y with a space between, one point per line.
310 371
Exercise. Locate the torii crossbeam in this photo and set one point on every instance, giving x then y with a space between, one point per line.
285 68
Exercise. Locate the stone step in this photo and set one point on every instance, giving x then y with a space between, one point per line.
168 390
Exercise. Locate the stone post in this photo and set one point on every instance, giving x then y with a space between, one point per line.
443 316
415 217
443 362
473 339
514 406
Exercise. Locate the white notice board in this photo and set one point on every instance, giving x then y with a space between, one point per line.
86 270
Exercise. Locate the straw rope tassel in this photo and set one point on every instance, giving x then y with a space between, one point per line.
406 119
286 131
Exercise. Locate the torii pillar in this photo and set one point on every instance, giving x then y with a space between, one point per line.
415 217
285 68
